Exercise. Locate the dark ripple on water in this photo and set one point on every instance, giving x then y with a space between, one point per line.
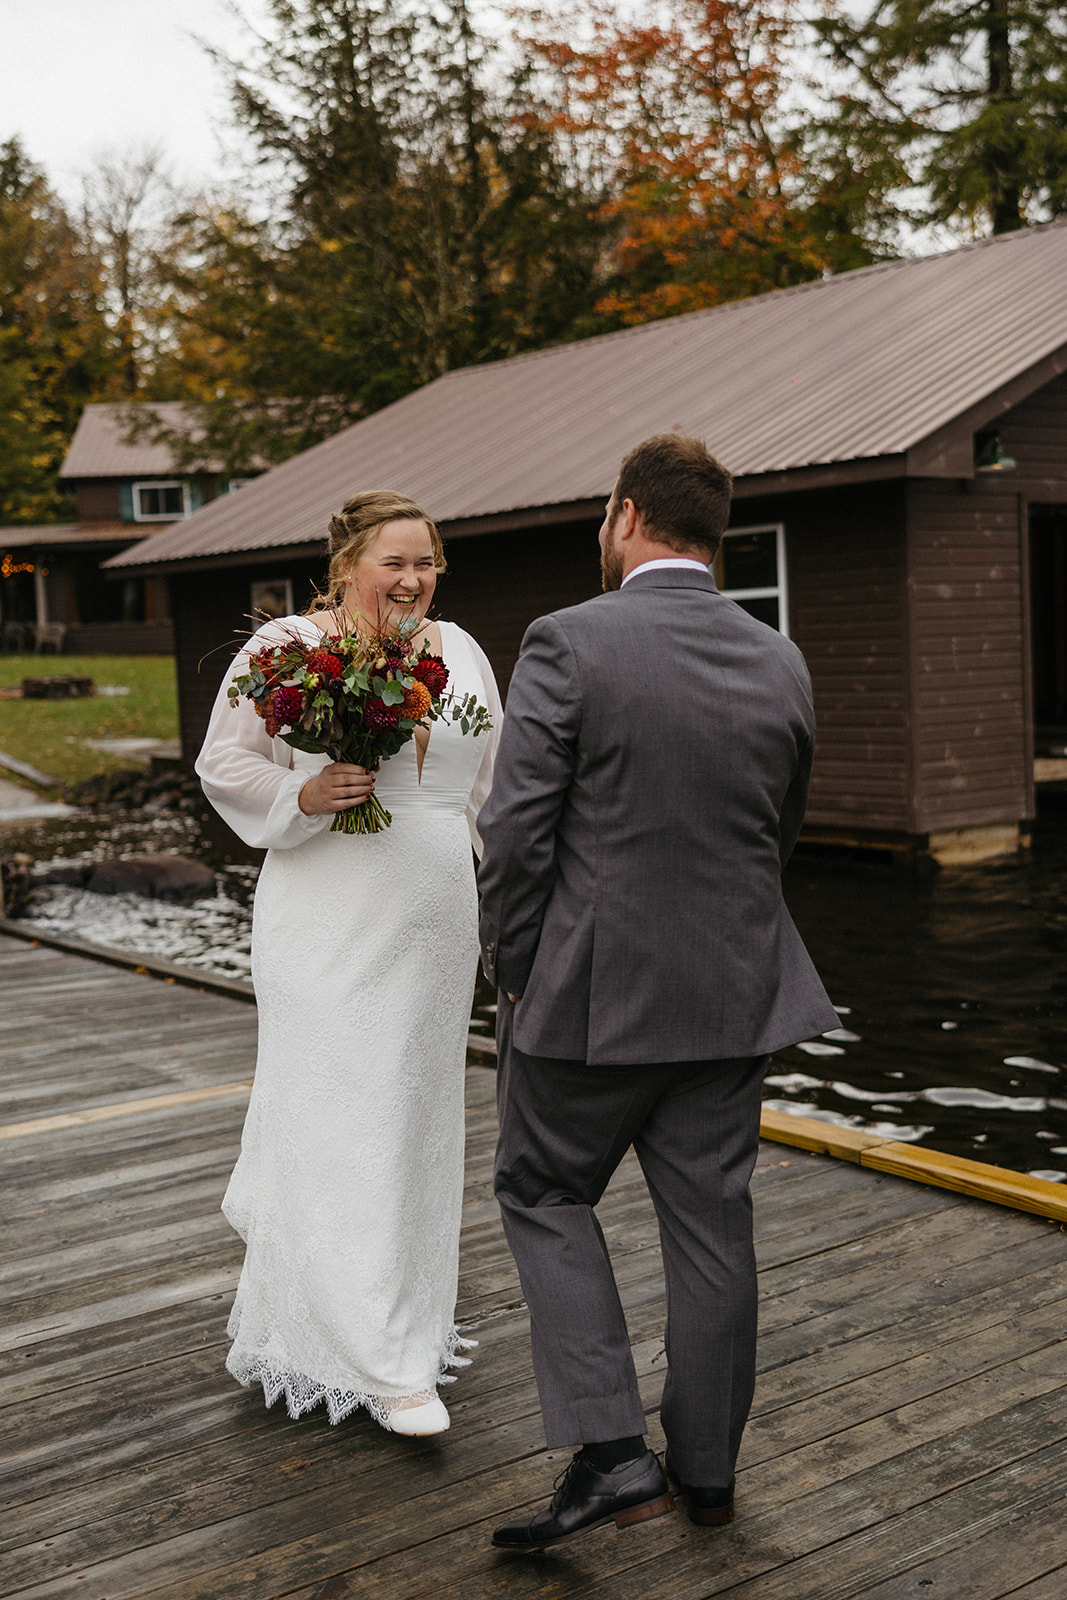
951 985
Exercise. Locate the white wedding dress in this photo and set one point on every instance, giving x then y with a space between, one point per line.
364 947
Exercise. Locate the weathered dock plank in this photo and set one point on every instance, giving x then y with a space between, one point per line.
909 1434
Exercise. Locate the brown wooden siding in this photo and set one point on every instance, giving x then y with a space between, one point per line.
497 584
968 669
120 639
1035 434
844 552
97 502
156 600
908 602
211 612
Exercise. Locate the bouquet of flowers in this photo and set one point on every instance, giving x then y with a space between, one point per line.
357 698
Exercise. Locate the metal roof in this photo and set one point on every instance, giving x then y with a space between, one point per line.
35 533
48 534
846 369
100 448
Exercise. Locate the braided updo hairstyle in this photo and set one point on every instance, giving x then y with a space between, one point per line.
356 525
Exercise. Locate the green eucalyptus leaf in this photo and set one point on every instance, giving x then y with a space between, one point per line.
302 741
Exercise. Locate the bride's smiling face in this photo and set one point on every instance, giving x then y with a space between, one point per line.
395 575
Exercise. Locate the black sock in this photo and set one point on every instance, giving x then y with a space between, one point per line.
612 1453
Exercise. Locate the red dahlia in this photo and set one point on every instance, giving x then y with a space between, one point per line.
325 664
431 671
288 706
381 718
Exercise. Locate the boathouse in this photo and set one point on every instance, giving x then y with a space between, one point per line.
898 437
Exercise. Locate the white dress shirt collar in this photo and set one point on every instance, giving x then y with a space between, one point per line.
665 561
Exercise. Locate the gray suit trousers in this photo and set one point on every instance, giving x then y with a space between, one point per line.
564 1128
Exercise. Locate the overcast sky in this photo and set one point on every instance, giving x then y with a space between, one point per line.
82 76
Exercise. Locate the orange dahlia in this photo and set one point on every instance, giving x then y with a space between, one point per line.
416 702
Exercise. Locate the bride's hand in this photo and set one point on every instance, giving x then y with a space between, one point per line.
336 788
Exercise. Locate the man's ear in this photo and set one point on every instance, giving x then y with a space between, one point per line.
629 517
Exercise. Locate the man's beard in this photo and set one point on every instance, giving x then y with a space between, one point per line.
610 565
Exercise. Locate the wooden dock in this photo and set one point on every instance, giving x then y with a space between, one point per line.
909 1435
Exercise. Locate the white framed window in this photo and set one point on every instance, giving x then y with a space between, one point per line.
272 598
160 501
750 568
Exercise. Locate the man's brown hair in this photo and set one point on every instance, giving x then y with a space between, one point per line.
680 489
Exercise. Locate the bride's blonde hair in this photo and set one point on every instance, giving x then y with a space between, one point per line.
356 526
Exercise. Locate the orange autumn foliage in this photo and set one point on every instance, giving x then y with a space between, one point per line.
675 123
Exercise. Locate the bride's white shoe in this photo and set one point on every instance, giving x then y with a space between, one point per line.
420 1419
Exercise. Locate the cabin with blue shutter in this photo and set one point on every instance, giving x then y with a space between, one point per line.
126 488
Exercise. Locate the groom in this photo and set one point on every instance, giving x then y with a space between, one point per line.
649 787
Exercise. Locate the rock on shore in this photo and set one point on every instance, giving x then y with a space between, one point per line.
178 878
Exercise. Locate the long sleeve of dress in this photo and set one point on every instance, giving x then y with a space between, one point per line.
246 775
484 780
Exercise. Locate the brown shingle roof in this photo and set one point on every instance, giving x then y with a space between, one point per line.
863 366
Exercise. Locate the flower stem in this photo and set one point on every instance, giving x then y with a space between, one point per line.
369 817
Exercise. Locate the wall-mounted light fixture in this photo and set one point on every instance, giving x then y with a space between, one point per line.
990 455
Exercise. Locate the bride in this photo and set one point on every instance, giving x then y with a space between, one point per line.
349 1184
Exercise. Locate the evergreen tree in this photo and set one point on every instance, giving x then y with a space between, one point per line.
958 108
416 227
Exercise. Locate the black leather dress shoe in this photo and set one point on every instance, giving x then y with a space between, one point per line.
586 1498
708 1506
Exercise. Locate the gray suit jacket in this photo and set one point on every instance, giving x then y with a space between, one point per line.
649 787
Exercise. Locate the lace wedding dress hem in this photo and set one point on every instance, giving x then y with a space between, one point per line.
304 1394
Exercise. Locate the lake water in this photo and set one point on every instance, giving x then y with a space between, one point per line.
951 985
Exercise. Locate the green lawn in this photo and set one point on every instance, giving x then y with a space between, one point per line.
51 734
